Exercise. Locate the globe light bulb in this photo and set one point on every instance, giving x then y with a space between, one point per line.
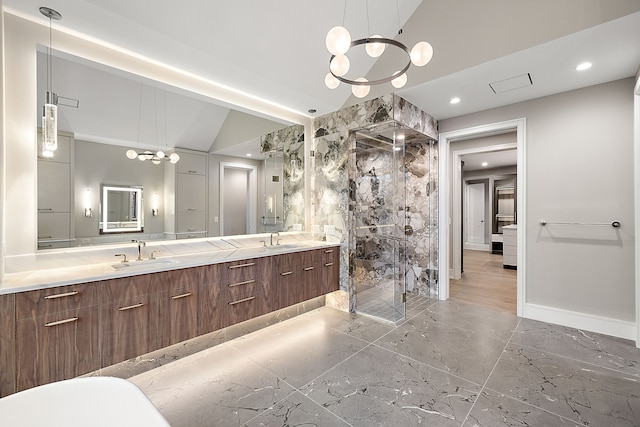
174 157
340 65
375 49
399 81
131 154
421 54
330 81
160 154
155 161
141 157
338 40
360 91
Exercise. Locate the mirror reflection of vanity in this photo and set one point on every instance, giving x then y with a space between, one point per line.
165 204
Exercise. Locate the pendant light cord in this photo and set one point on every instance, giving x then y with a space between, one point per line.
49 71
398 16
368 20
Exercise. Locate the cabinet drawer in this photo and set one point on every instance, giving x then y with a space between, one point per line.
178 315
330 254
129 328
53 225
245 307
57 346
191 193
243 270
193 164
47 301
191 221
510 240
54 187
126 288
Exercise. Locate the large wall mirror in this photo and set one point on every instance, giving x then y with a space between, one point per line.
103 112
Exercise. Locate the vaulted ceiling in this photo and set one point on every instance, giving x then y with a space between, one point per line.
275 50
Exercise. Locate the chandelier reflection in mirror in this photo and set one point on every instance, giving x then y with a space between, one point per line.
339 43
155 157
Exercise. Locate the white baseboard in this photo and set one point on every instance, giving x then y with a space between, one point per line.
477 246
587 322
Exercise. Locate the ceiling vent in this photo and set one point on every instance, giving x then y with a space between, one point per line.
511 83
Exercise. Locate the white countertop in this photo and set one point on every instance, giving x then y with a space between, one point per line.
184 254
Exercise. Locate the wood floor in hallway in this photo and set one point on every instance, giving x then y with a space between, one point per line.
485 282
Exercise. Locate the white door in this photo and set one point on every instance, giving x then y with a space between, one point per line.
475 213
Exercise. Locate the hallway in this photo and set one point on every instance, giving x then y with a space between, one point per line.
485 282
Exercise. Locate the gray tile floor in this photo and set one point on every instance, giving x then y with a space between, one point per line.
449 364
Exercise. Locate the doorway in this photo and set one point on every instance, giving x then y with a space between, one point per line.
450 225
238 199
475 215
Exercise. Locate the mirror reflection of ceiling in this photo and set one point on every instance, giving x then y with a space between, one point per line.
493 160
122 109
275 50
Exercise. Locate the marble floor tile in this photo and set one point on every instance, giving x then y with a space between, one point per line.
363 327
379 387
579 391
214 387
474 318
299 350
494 409
297 410
601 350
470 355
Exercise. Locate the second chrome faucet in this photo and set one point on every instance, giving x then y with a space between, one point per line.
140 243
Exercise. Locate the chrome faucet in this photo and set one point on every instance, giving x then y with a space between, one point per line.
140 245
271 238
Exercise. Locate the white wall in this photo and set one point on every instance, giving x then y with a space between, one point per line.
2 148
579 163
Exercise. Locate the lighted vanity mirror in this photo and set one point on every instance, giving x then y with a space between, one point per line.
121 210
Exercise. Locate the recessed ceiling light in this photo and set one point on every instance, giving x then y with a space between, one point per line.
485 164
583 66
249 154
454 100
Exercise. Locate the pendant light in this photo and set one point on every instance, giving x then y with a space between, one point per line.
50 108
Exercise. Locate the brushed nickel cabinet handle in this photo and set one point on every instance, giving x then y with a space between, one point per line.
45 209
286 273
242 300
328 251
67 294
45 237
242 265
308 268
192 171
130 307
246 282
329 264
61 322
188 294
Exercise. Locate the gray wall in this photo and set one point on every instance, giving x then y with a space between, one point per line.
97 164
579 167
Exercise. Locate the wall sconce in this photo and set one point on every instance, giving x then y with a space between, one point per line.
154 204
88 212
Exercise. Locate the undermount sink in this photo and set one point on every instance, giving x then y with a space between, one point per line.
144 263
282 246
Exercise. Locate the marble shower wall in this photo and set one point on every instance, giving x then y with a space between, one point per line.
333 193
290 141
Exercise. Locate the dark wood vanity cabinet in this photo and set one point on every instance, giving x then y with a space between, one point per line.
330 266
128 317
234 292
56 334
7 344
178 305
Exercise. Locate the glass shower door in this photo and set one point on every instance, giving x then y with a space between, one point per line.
380 243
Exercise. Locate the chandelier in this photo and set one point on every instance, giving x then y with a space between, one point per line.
339 43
